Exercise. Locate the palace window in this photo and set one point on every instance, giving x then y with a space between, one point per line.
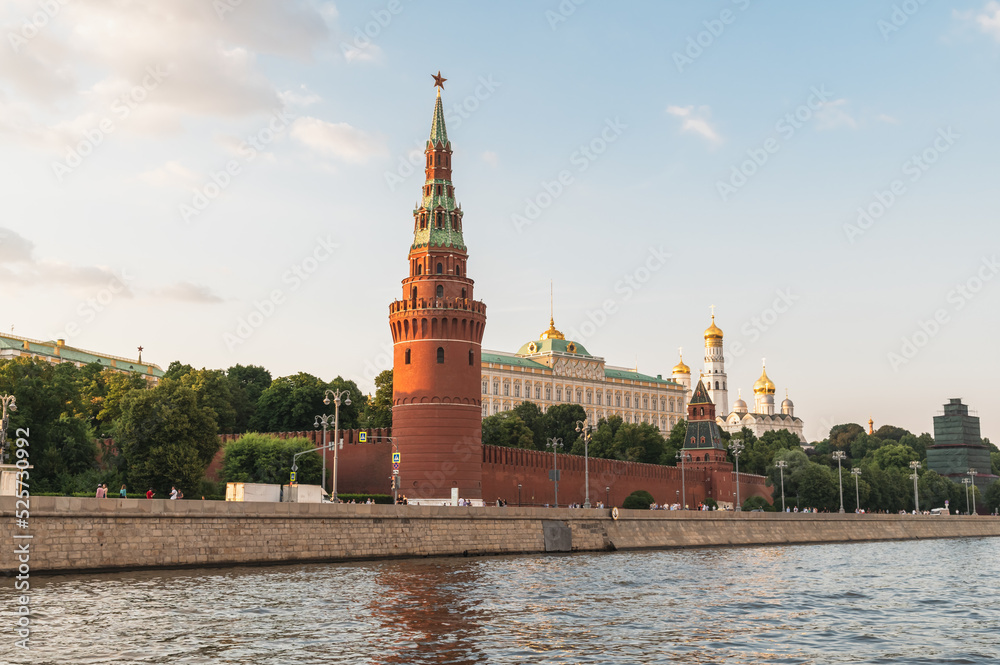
496 387
506 389
440 355
618 400
496 409
517 390
558 394
645 402
628 401
538 392
598 399
486 387
590 398
548 393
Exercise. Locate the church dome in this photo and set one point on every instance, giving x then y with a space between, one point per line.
681 368
739 406
764 385
713 331
787 404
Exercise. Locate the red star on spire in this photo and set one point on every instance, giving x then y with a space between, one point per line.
439 80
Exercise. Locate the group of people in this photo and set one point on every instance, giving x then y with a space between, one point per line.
102 491
401 500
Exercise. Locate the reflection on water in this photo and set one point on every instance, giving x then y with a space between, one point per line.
907 602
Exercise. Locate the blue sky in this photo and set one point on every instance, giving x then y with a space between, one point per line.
671 125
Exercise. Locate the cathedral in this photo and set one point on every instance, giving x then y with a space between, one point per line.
763 418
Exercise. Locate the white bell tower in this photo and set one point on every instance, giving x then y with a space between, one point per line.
715 369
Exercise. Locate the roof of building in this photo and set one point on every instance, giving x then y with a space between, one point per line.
507 359
57 349
553 345
700 395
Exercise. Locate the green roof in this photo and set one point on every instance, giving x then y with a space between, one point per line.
500 359
636 376
73 354
553 346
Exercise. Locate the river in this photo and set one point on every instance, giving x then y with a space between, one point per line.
887 602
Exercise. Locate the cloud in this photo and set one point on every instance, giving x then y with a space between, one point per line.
18 265
301 97
882 117
187 292
696 121
171 174
491 158
832 115
989 20
339 139
73 69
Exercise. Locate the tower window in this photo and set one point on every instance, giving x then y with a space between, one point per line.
472 357
702 411
437 160
440 355
439 190
440 291
413 294
463 294
716 385
440 269
458 270
420 269
407 356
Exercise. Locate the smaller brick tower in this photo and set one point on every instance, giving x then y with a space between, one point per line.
437 331
702 440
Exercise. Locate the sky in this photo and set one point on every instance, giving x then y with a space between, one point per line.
232 182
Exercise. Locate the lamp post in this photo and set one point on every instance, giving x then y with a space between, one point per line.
9 402
782 465
972 477
682 456
856 472
736 445
967 482
337 395
840 455
555 445
916 498
583 427
607 496
519 495
325 420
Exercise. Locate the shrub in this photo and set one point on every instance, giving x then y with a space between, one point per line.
259 458
755 502
638 500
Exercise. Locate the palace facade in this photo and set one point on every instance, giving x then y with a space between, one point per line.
12 346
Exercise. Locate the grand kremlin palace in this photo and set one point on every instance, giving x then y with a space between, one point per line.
554 370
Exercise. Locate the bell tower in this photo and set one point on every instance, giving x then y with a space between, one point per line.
437 331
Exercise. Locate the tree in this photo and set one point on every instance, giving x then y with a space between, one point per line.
894 455
863 445
992 497
506 429
935 490
246 383
50 406
378 411
176 370
676 438
639 500
535 420
214 392
758 454
818 488
291 403
759 503
841 436
560 421
165 436
797 461
890 432
258 458
101 390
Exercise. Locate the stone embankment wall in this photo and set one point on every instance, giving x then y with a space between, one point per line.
72 534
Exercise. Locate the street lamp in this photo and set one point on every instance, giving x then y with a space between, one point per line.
583 427
840 455
967 482
607 496
9 402
972 476
736 446
782 465
519 495
325 420
555 445
916 498
856 472
337 394
682 456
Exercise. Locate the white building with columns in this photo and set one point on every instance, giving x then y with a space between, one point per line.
763 418
553 370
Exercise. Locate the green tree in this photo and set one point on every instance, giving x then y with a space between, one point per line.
758 454
890 432
246 383
894 455
259 458
378 411
176 369
506 429
535 420
817 487
214 392
841 436
560 422
863 445
291 403
992 497
50 406
638 500
935 489
676 438
759 503
166 437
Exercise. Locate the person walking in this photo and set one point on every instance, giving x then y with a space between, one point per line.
150 493
173 493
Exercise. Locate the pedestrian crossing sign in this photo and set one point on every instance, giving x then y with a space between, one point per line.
362 437
395 458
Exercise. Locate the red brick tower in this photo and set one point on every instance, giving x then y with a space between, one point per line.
702 440
437 331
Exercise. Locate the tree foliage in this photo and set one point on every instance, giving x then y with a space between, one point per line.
638 500
378 410
507 429
259 458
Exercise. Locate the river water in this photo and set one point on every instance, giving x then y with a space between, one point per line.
893 602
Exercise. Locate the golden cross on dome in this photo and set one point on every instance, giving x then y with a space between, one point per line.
712 307
439 80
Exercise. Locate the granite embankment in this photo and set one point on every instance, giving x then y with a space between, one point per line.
72 534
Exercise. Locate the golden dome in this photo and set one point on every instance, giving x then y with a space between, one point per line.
713 331
552 333
764 385
681 368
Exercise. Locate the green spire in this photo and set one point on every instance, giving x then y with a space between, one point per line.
439 134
